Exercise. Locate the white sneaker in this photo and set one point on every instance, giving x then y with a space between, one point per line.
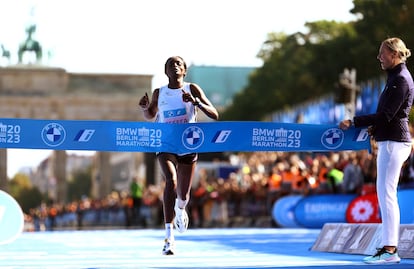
383 256
181 218
168 248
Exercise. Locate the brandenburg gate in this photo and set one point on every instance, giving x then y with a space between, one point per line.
40 92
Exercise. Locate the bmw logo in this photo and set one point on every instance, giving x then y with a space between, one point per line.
332 138
193 137
53 134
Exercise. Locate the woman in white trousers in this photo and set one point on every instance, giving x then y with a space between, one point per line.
389 127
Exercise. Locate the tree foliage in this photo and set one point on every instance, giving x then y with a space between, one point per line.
379 19
80 184
22 190
296 68
303 66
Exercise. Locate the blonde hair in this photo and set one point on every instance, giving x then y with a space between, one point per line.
395 44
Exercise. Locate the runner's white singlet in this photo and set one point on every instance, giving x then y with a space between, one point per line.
172 108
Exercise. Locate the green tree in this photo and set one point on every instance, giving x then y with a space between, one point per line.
18 183
30 198
379 19
23 191
296 68
80 184
304 66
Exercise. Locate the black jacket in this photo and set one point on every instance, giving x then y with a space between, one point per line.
390 122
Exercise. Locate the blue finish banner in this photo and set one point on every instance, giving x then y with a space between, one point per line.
405 200
179 138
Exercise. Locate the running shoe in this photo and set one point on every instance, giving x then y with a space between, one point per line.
383 256
181 218
168 248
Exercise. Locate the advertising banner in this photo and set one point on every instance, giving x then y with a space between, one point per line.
283 211
178 138
315 211
11 218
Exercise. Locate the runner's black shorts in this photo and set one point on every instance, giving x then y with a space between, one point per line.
179 159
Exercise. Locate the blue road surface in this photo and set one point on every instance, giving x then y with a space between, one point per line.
196 248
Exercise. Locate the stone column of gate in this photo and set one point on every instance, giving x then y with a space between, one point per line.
3 169
101 175
59 172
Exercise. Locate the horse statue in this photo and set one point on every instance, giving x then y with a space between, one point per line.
4 53
30 45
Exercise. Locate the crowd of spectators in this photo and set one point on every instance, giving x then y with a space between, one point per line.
244 198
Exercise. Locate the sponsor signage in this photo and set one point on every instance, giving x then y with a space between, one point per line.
315 211
179 138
